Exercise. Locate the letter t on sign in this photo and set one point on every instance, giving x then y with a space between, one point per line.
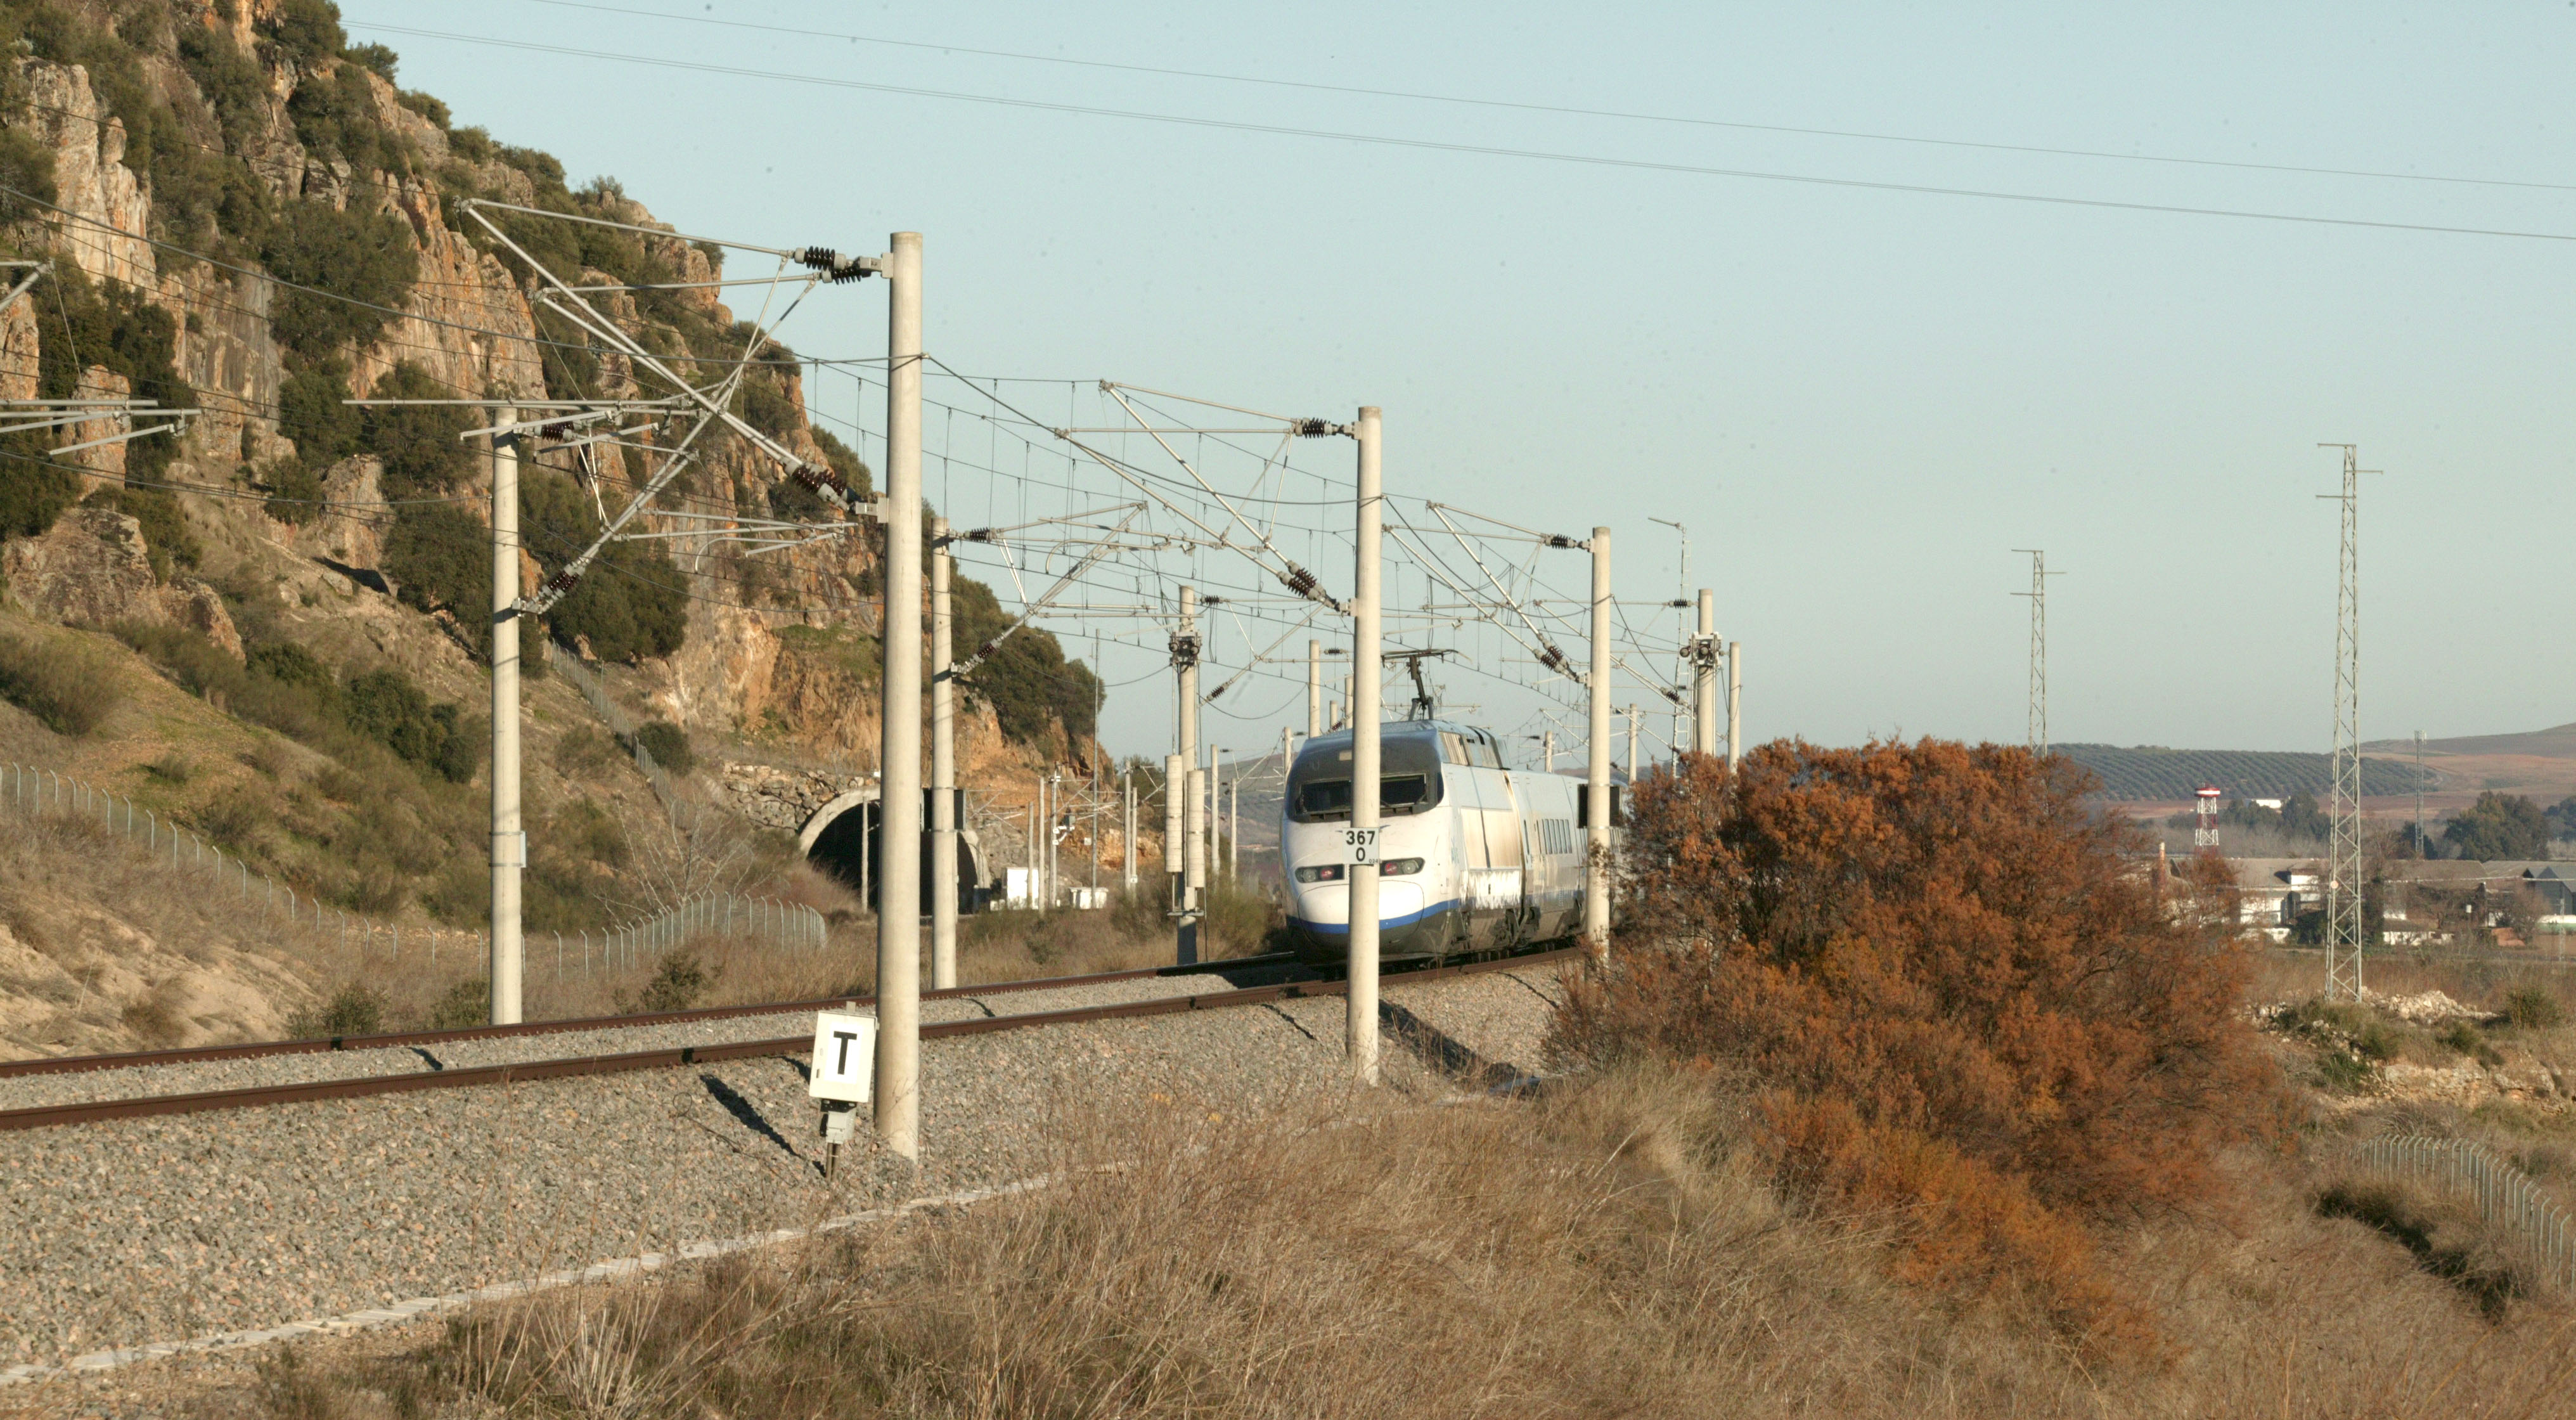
845 1054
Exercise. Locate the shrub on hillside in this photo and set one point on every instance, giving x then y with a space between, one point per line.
26 166
294 489
312 410
1959 1000
33 490
668 744
228 80
2533 1008
66 688
632 603
305 32
467 1004
676 985
366 260
417 443
355 1009
440 558
385 706
114 326
1027 680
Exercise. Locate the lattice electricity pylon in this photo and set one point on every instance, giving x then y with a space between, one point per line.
141 417
2345 920
2038 594
698 408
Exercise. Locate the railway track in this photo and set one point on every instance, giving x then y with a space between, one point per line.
252 1050
155 1222
438 1076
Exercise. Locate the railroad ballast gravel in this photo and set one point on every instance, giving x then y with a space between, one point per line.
133 1231
138 1081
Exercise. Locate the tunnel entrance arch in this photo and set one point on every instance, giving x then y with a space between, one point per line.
843 838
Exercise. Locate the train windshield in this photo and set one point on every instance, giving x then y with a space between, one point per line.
1319 786
1325 798
1331 798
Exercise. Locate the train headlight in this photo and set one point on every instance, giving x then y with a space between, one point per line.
1399 867
1320 873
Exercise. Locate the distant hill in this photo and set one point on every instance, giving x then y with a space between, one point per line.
2156 774
2556 742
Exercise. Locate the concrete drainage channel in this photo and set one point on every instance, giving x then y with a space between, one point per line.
138 1226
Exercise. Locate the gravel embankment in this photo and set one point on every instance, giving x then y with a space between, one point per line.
80 1087
156 1229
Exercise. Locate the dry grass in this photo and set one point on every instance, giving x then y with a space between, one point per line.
121 952
61 682
2480 979
1615 1250
102 948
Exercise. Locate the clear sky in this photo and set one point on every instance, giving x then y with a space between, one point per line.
1858 400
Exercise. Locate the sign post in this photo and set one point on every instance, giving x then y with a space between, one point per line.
844 1067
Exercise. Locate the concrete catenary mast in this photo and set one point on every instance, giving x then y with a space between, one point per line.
898 1081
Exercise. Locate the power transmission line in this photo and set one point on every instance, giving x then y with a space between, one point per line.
1563 110
1385 140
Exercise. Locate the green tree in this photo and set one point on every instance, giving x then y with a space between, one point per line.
80 324
388 708
2300 817
1027 680
365 259
2499 826
440 556
632 603
305 31
418 443
312 409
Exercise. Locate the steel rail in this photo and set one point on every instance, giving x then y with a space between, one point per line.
71 1064
97 1111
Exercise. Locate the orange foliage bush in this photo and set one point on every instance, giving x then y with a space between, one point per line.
1959 998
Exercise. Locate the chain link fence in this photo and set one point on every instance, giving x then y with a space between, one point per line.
2505 1196
33 792
595 690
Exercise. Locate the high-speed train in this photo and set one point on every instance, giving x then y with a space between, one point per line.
1474 857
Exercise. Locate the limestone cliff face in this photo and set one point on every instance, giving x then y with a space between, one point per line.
776 652
92 569
90 177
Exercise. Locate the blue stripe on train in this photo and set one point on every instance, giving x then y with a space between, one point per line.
1343 929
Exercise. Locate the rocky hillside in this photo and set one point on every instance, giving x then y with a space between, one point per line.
245 214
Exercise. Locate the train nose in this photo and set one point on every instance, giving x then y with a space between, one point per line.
1327 906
